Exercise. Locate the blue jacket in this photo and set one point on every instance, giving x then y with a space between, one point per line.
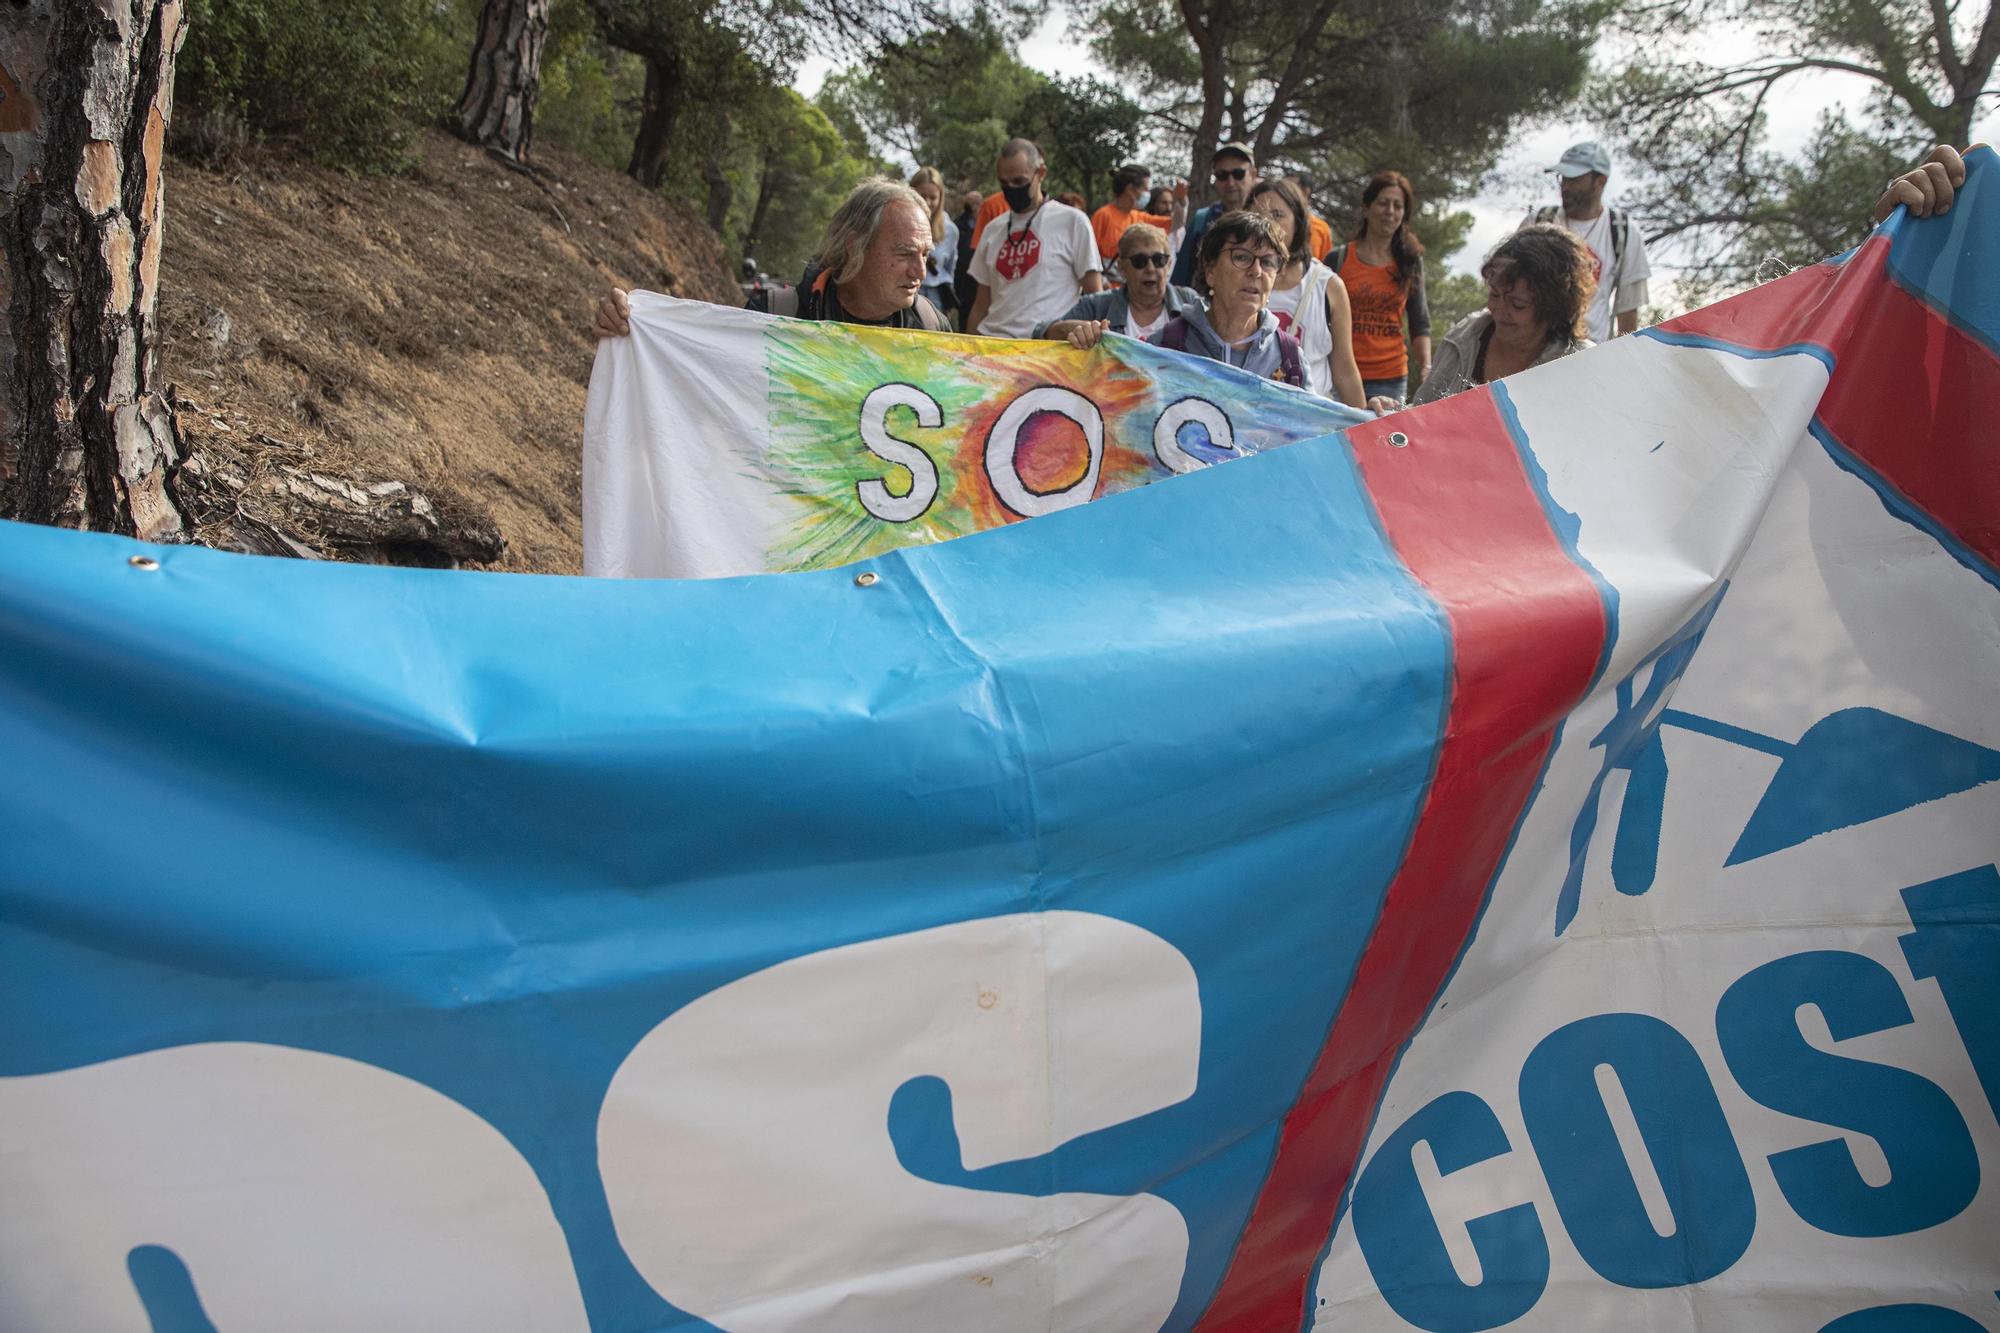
1114 306
1197 227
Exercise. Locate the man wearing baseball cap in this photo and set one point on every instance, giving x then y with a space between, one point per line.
1610 233
1235 171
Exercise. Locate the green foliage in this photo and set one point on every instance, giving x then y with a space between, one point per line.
949 98
1431 88
952 96
350 82
1085 129
590 89
1737 209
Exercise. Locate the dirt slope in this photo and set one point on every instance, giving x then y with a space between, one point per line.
431 329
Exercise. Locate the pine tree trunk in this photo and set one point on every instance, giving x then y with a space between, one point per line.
657 114
766 180
720 192
86 90
497 108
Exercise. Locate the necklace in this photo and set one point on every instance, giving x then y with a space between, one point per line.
1011 233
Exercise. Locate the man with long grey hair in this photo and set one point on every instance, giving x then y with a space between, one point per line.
869 268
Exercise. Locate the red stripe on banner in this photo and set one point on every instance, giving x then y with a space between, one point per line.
1527 626
1914 398
1822 304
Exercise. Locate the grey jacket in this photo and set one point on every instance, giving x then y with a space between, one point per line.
1112 305
1458 353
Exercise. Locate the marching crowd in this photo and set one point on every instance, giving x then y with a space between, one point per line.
1254 280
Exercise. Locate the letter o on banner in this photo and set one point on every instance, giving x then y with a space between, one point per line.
1189 411
1006 433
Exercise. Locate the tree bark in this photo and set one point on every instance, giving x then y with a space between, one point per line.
497 108
86 91
658 112
720 192
760 211
1208 45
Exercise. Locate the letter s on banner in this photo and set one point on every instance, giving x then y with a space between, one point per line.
1933 1165
746 1155
300 1190
874 496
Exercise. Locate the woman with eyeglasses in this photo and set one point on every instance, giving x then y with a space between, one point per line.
1309 301
1240 257
1140 308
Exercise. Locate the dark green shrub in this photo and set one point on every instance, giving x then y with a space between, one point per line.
348 82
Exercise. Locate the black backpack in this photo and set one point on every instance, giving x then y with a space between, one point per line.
802 302
1619 222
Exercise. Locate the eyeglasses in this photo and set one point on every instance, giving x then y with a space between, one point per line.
1152 260
1231 173
1263 259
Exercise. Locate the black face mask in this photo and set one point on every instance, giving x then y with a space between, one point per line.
1019 197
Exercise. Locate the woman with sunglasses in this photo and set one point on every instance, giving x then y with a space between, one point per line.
1308 299
1240 257
1138 309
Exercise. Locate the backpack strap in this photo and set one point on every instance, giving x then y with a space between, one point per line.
1291 367
1174 336
928 316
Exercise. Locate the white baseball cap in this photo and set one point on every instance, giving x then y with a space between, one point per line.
1583 158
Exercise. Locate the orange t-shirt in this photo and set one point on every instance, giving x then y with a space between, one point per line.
1321 238
1109 224
1377 304
995 205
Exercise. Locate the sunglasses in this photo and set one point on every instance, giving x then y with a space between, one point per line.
1153 260
1246 259
1231 173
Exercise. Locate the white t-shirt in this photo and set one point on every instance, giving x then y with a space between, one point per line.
1616 292
1034 263
1145 332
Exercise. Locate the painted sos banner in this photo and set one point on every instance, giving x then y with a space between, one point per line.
1529 862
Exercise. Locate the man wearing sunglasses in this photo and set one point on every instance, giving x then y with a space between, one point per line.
1234 172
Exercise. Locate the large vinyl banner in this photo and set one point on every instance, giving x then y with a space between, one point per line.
1528 862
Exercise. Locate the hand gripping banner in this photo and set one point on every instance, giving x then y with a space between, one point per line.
1528 862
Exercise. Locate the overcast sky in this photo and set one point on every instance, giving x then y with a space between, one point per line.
1521 180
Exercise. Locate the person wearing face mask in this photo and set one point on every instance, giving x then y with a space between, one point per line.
1383 270
1138 309
1308 300
1241 255
1131 186
1234 171
1539 284
1033 260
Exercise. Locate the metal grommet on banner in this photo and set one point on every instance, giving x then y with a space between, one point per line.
867 579
142 562
1398 440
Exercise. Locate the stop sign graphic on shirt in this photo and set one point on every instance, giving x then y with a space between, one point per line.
1018 254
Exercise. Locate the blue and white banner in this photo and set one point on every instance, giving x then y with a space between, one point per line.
1527 862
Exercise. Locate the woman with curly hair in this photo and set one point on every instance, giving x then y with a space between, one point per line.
1538 287
1383 269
